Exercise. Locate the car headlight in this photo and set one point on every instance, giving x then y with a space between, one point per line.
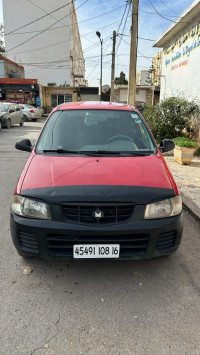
165 208
26 207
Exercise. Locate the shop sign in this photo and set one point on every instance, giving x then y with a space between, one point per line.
61 92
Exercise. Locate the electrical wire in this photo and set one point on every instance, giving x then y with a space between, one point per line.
145 39
86 20
41 32
30 23
125 22
166 18
169 8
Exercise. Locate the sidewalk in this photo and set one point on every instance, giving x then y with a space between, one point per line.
187 178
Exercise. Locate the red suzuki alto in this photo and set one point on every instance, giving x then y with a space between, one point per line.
96 186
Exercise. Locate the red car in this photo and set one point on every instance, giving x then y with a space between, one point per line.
96 186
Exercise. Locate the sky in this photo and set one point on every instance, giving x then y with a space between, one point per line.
154 17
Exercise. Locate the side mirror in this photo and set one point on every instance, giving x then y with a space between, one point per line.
24 144
166 145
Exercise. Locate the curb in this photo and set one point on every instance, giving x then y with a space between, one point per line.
192 208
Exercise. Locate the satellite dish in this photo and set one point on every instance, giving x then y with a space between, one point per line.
105 88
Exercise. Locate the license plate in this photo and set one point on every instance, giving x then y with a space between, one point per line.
96 251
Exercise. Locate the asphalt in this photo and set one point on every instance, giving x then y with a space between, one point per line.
187 178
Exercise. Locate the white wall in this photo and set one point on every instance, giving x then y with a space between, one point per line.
17 13
181 65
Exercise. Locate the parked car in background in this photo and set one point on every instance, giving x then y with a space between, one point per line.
104 189
30 112
10 114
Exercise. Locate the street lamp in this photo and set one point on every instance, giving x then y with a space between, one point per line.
101 41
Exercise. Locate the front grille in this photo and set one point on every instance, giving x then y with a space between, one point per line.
88 214
28 242
130 245
166 240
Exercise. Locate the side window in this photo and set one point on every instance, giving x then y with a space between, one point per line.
12 107
17 107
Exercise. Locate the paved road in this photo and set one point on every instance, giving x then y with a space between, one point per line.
94 307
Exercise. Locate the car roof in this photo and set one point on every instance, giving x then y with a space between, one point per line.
95 105
8 103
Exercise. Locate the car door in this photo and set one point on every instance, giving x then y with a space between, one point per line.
12 114
18 114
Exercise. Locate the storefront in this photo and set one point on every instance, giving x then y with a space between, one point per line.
53 96
19 90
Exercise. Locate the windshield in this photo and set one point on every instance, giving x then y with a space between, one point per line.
4 107
97 131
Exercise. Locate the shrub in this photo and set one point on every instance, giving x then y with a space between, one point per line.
184 142
197 153
169 118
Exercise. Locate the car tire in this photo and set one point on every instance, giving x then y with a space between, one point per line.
22 121
34 119
8 124
25 118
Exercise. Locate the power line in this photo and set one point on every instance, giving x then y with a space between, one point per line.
152 13
31 2
166 18
49 13
123 28
169 7
53 45
89 19
145 39
41 32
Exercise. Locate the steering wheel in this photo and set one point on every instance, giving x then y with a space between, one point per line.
119 137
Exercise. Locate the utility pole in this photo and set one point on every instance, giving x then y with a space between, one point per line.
113 68
133 53
101 42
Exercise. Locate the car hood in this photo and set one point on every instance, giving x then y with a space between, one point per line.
57 179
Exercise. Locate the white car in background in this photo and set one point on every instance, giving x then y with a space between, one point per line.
30 112
10 114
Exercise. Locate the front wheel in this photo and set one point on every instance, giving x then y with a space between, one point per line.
8 124
22 122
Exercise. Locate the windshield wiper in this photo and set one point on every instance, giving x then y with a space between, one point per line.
95 153
123 153
63 151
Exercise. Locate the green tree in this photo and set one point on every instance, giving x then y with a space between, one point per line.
121 80
171 117
150 75
2 48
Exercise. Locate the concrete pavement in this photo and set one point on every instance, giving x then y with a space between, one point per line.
187 178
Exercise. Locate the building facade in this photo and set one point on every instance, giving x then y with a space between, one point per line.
10 69
181 56
44 38
144 94
142 78
156 72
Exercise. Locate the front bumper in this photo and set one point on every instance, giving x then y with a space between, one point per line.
141 239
